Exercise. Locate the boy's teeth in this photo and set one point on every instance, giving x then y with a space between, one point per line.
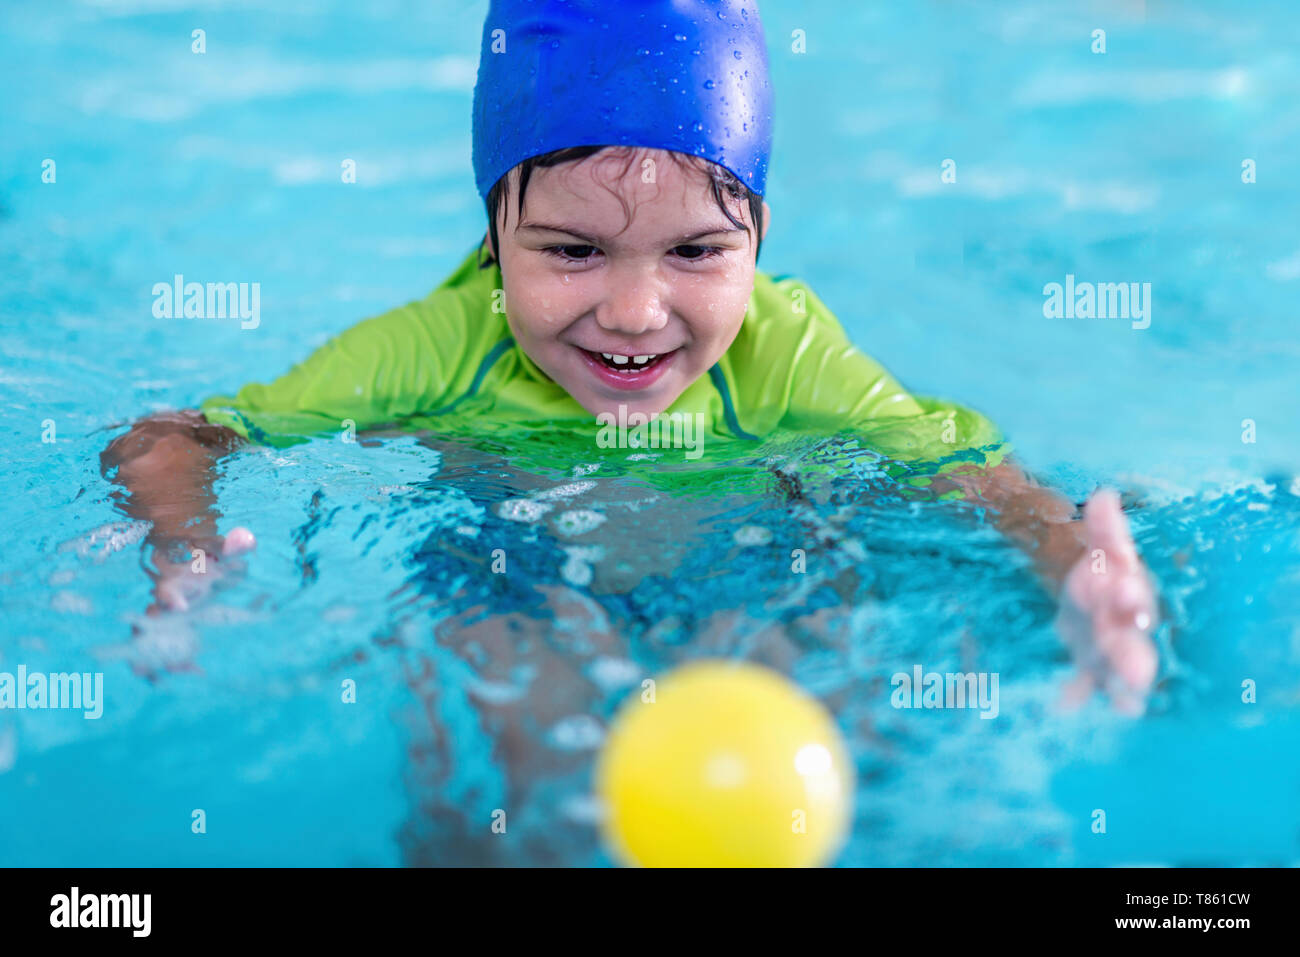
618 360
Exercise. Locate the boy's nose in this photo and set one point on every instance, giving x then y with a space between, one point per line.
633 305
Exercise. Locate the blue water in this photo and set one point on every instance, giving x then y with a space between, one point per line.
477 692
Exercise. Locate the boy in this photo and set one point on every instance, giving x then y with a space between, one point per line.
621 150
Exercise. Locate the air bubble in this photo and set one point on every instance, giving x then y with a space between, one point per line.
577 572
579 732
568 490
522 510
578 521
751 535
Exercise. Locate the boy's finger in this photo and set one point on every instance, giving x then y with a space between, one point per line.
170 596
238 541
1133 603
1126 699
1077 691
1134 662
1107 529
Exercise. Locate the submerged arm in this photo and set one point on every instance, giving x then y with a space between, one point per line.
1040 520
1107 602
166 464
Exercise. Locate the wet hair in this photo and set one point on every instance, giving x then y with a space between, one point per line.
724 184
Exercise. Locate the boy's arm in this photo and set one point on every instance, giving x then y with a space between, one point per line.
408 360
1040 519
1107 602
371 374
377 371
374 371
166 466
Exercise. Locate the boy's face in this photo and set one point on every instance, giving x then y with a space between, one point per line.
604 262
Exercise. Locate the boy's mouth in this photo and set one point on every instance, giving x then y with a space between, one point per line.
628 372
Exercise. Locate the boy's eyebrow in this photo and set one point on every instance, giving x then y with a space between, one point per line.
591 240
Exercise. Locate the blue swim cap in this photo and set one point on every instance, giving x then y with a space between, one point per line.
684 75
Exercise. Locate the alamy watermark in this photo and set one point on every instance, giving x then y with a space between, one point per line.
1101 300
75 909
38 690
655 430
932 689
179 299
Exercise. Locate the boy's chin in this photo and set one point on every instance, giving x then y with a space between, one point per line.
647 402
623 406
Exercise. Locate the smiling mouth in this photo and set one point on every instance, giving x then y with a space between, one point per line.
628 372
628 365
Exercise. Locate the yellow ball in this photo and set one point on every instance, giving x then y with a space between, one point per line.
730 765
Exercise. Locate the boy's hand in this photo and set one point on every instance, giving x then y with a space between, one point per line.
178 583
1108 611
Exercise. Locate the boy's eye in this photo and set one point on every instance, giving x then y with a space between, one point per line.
694 252
581 253
573 253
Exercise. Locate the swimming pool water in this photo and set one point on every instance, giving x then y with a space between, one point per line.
478 691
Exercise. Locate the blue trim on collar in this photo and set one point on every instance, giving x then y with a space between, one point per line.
255 431
488 362
728 410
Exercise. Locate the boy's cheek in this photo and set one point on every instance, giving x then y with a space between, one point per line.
539 308
720 312
728 295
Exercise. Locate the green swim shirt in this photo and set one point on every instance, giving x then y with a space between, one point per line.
448 363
